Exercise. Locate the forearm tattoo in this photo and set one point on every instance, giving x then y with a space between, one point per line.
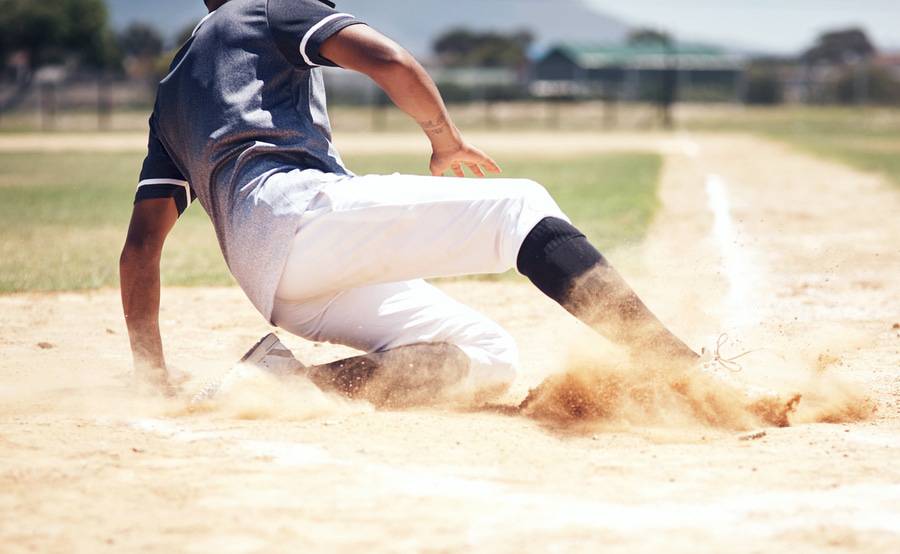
435 126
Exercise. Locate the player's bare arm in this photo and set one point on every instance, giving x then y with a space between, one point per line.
363 49
151 221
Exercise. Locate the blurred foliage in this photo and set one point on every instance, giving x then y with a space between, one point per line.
763 85
840 46
57 31
468 48
867 84
140 40
456 93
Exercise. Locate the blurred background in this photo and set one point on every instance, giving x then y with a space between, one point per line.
79 76
93 64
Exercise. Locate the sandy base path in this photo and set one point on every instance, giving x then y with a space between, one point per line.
778 249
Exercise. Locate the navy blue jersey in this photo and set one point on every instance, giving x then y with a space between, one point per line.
245 100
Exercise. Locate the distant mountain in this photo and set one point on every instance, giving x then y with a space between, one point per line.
415 23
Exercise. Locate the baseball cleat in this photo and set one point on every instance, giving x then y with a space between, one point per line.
772 406
269 355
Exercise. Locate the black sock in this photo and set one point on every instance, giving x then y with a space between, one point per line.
554 254
563 265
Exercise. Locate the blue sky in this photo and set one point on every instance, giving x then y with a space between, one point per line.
782 26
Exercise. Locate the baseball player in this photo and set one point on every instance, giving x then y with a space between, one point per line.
240 125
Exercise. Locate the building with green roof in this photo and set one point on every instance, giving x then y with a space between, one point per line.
637 71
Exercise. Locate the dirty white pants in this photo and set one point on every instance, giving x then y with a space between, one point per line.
354 275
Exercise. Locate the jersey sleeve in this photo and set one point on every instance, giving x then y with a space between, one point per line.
160 178
299 28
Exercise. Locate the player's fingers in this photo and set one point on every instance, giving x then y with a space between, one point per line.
476 171
491 166
484 160
457 170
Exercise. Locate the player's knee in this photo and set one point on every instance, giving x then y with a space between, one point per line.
538 198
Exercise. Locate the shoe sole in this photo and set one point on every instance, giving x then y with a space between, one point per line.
260 349
253 356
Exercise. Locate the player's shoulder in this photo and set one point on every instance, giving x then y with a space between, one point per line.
299 28
235 25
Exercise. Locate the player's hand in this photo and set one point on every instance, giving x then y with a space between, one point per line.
462 155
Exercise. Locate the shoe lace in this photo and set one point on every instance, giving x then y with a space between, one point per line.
728 363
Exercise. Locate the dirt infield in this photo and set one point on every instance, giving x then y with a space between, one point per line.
790 255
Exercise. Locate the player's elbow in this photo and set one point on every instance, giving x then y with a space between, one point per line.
394 55
386 60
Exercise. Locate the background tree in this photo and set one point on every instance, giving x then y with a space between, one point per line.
763 84
142 47
56 31
841 46
466 48
140 40
867 84
42 32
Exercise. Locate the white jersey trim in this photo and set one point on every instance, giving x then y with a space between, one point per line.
202 21
176 182
305 42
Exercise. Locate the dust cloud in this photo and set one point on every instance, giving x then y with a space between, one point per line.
601 388
251 394
597 388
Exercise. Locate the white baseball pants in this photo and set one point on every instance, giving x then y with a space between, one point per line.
354 275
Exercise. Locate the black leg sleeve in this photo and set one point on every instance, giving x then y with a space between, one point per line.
554 254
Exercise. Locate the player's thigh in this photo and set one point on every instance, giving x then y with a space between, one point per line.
382 317
379 229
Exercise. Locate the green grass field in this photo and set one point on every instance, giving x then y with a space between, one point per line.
63 216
